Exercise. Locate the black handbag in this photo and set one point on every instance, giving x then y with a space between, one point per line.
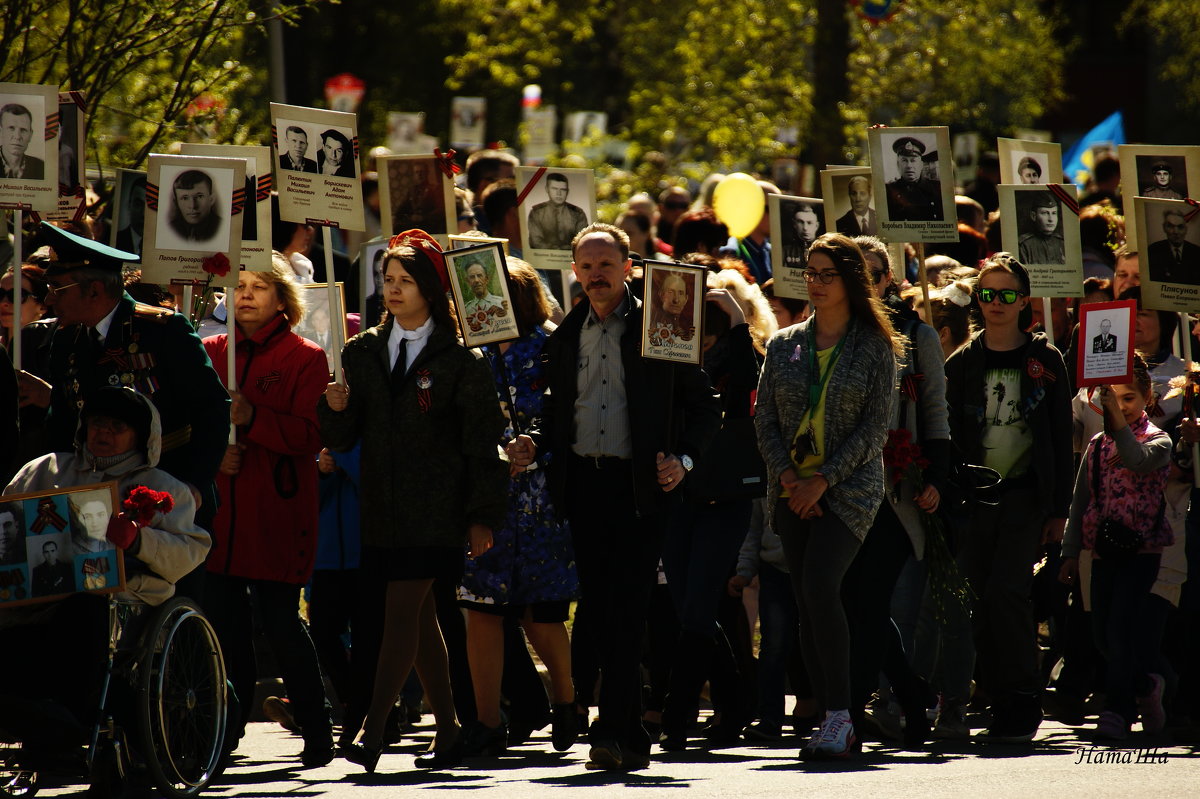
1114 539
732 468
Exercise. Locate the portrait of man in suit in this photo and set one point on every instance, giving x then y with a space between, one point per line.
293 158
861 219
1174 259
1106 341
16 131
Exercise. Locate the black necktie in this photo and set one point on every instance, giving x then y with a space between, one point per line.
96 340
399 368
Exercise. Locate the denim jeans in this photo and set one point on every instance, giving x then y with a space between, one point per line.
779 631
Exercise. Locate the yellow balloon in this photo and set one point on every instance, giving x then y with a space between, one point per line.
739 202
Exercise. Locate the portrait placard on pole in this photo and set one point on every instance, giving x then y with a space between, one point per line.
320 322
29 149
1040 225
482 296
194 208
1030 163
913 172
1106 343
256 219
552 206
72 178
673 316
1170 256
415 193
468 121
317 166
850 201
128 224
796 222
1158 172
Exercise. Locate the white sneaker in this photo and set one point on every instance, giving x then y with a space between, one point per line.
837 736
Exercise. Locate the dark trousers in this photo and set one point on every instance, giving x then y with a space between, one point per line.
331 608
699 555
875 643
997 557
1120 589
229 604
779 630
616 552
819 551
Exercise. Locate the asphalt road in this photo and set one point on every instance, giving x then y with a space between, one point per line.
267 765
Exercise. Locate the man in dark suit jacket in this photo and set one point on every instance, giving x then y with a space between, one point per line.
1106 341
297 146
861 219
622 441
16 130
1174 259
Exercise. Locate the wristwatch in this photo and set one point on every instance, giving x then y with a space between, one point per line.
687 462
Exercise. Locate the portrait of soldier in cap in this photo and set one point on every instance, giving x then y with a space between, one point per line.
1041 240
1160 188
911 197
1029 171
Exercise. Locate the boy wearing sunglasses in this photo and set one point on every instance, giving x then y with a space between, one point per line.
1010 410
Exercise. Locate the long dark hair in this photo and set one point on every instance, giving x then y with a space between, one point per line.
852 268
417 264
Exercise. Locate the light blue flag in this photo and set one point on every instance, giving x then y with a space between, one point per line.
1081 158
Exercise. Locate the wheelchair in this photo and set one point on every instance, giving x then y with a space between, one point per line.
161 721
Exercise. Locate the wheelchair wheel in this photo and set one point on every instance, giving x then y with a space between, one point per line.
182 699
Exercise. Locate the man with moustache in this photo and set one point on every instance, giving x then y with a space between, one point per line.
623 432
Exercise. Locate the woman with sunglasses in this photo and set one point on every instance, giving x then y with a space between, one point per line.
1010 410
824 402
33 303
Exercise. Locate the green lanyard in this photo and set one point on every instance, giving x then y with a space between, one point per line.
814 365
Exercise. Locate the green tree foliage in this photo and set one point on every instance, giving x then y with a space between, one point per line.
1174 27
142 65
714 81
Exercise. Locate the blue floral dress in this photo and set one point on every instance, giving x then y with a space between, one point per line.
531 559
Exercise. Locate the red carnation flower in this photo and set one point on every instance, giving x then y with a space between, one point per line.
143 503
216 264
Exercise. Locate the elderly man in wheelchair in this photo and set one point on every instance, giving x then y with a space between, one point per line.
129 686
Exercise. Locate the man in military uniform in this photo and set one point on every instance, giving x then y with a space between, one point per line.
910 197
553 224
1161 189
806 226
1043 244
104 338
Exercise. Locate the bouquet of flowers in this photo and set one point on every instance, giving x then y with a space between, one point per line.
143 503
903 458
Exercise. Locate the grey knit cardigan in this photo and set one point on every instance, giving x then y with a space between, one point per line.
858 409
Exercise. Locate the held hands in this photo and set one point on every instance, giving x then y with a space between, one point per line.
480 540
32 390
521 451
241 412
804 493
122 531
928 500
670 471
1189 430
1068 572
231 464
337 397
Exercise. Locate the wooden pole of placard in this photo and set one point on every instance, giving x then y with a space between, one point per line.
924 278
335 325
1185 340
18 225
1047 320
231 358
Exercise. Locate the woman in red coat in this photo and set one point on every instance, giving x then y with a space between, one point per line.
265 533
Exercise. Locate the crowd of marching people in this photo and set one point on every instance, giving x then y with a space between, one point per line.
885 513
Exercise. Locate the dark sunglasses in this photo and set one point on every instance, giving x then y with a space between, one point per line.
11 295
1007 296
676 205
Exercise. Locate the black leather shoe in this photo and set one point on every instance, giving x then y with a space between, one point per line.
564 726
605 756
480 740
318 750
363 755
446 758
